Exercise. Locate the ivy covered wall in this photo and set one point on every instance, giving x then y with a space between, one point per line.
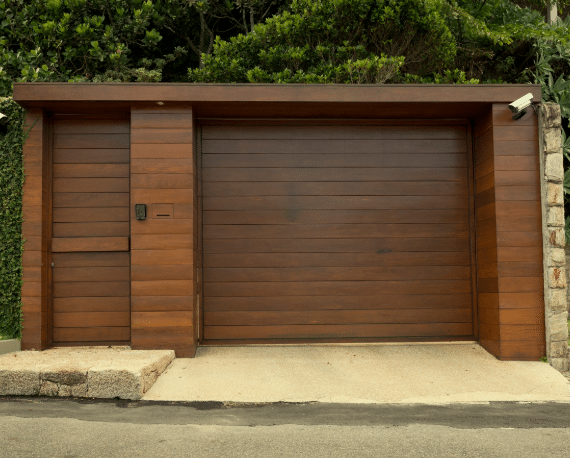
12 137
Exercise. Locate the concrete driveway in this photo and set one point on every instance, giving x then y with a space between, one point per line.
437 373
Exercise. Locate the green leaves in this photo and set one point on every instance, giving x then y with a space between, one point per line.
335 41
11 181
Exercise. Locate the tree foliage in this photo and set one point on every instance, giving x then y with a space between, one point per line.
115 40
351 41
11 181
336 41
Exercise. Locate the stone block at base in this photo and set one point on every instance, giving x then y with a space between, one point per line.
116 372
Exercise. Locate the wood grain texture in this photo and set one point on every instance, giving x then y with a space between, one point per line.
91 229
509 237
295 216
164 249
72 244
321 231
34 257
336 331
444 300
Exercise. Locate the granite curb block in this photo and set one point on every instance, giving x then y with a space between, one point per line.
115 372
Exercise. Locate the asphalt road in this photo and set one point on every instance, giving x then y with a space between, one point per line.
69 428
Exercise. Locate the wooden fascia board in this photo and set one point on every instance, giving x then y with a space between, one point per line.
36 93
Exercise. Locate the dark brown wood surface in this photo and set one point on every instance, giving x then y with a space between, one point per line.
35 295
91 229
318 232
509 235
163 271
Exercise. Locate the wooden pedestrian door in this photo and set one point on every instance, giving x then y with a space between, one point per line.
90 230
336 232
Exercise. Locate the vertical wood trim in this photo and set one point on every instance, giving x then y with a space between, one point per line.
34 293
129 240
200 227
522 340
488 330
48 199
473 229
166 137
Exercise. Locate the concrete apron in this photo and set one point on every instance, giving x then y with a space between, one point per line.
436 373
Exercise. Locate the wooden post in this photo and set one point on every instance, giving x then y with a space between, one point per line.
163 251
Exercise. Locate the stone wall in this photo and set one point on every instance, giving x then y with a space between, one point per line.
551 178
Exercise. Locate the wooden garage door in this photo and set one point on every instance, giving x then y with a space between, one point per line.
335 232
90 244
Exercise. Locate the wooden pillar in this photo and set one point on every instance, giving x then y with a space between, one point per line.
34 230
509 235
163 247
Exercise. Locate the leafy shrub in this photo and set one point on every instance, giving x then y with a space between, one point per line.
335 41
11 243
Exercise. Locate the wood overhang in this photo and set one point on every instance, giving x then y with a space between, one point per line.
272 100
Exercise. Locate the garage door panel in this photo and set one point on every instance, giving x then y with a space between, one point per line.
318 232
427 188
331 160
249 174
295 202
308 317
341 288
307 133
263 260
292 216
338 331
329 302
384 245
351 146
297 274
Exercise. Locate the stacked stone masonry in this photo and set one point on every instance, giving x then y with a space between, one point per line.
555 280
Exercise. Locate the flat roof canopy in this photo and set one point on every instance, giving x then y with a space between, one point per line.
423 101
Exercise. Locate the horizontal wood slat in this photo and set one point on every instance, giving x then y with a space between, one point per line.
355 245
335 302
331 160
90 244
92 304
335 317
92 259
337 331
102 334
341 288
91 289
91 140
92 214
339 132
91 156
297 203
90 170
93 229
90 200
339 188
264 260
91 185
91 319
329 231
300 274
294 216
335 174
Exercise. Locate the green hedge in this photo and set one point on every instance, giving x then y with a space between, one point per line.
11 181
